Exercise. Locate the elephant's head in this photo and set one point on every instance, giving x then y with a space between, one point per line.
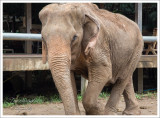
67 30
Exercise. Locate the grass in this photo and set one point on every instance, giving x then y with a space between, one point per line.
9 102
151 94
79 97
104 95
55 98
147 94
139 96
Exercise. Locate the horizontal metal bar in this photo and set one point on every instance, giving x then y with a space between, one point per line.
150 38
37 37
22 36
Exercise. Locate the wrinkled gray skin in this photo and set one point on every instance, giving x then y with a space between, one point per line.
103 47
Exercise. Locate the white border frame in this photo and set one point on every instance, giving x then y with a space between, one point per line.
73 1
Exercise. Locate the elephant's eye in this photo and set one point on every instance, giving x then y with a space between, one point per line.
74 37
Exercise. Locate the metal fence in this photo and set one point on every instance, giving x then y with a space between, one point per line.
37 37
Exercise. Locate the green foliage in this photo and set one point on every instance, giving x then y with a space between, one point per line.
55 98
148 94
39 100
104 95
138 96
7 104
79 97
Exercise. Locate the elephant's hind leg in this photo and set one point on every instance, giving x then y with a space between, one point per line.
90 99
117 90
98 77
132 107
125 74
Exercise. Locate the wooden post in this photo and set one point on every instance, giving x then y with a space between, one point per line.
140 80
28 44
28 13
84 84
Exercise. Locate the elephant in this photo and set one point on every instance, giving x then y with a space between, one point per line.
102 46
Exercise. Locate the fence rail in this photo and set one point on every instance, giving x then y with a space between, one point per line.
22 36
37 37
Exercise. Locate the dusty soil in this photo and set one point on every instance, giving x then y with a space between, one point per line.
148 106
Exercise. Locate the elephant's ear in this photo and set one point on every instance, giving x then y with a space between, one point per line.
44 52
90 33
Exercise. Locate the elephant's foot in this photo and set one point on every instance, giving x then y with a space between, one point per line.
78 112
72 113
132 111
94 113
110 111
97 109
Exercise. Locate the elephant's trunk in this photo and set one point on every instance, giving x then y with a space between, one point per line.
59 62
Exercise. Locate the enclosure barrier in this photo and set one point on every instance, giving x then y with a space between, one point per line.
22 36
38 37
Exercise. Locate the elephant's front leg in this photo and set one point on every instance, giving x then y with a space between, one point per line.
98 77
117 90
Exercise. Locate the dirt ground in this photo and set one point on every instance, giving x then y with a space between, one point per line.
148 106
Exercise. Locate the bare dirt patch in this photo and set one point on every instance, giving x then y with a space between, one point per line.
148 106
